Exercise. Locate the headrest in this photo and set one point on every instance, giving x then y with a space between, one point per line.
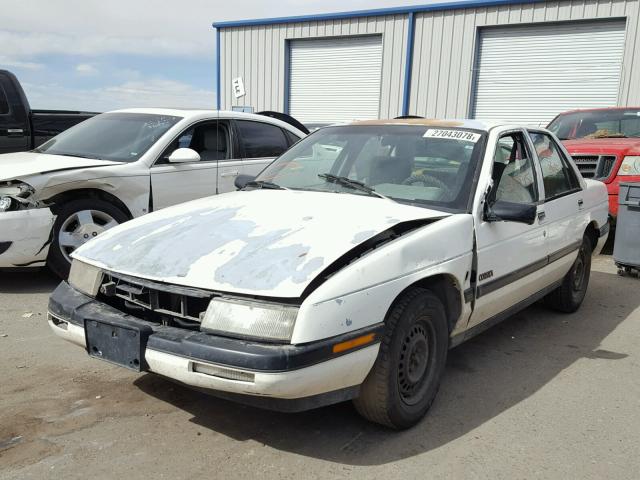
215 139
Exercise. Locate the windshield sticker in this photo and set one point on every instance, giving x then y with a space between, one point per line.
452 135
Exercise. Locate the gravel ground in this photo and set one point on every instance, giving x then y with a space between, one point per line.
543 395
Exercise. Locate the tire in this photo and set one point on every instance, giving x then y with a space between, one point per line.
569 295
77 222
406 376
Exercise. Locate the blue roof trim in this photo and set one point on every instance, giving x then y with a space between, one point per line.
374 12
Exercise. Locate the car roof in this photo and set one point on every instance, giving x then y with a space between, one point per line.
202 113
602 109
484 125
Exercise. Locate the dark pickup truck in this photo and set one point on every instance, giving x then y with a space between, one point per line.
24 129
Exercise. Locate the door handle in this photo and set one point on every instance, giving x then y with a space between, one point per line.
15 132
229 174
580 203
541 216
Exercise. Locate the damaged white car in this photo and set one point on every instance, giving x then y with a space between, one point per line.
123 164
346 270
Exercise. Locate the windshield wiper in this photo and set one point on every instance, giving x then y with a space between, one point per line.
348 182
77 155
263 184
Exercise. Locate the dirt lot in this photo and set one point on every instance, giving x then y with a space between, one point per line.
543 395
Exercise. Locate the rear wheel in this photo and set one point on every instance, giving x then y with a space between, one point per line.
569 295
406 376
76 223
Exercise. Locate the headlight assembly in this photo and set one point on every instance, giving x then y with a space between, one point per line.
630 165
16 196
85 277
6 204
250 319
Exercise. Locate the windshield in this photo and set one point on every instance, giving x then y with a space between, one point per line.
617 123
120 137
419 165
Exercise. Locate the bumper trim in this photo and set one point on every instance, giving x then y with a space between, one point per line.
72 306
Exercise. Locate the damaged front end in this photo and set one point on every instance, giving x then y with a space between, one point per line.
25 226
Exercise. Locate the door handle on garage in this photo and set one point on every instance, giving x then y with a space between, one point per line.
229 174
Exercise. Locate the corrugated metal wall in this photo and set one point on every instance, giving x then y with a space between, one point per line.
444 53
257 54
446 42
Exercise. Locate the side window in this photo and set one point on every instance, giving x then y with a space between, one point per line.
261 139
558 177
513 174
291 137
4 103
210 140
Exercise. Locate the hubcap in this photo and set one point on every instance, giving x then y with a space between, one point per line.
80 227
414 362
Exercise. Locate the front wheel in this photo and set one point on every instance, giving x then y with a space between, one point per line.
406 375
77 222
569 295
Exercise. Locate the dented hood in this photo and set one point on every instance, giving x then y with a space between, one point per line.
17 166
261 242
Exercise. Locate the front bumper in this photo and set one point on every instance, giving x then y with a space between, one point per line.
279 377
25 236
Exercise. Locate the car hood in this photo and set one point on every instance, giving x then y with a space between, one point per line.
626 146
262 242
16 166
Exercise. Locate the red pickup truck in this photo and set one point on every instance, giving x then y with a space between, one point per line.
605 144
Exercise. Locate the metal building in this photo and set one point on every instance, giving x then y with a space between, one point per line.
501 59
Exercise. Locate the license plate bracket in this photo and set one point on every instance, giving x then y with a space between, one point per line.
120 343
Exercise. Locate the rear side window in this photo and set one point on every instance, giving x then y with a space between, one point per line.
261 139
557 175
4 103
291 137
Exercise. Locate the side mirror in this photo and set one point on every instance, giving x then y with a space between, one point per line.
184 155
241 181
511 212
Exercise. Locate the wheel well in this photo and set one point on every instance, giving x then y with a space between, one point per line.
87 193
446 288
592 234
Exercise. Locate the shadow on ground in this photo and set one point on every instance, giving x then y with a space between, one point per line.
484 377
33 281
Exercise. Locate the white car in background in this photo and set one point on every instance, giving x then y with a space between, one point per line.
123 164
344 272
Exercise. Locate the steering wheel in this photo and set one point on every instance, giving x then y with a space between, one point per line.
428 181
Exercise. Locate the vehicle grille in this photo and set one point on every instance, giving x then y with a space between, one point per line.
155 302
597 167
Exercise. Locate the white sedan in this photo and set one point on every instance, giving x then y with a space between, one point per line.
346 275
123 164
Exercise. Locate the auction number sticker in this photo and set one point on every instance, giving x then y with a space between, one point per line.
452 134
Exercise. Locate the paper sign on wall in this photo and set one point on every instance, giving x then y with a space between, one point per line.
238 87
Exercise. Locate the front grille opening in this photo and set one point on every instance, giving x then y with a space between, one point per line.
597 167
156 303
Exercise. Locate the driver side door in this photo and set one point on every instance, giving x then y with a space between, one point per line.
510 254
174 183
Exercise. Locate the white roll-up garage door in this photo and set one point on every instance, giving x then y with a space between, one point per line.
530 74
335 79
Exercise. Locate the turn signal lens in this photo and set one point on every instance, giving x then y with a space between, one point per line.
356 342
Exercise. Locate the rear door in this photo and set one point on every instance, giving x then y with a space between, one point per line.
260 142
510 254
174 183
563 203
14 122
